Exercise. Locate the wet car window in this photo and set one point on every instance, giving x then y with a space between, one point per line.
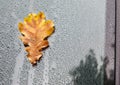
81 50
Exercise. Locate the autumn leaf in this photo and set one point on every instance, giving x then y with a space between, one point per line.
35 30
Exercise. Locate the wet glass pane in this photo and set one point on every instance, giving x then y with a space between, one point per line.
81 50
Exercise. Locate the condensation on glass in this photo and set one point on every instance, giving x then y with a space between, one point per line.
81 49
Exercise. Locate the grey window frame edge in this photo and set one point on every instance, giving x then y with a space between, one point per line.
117 56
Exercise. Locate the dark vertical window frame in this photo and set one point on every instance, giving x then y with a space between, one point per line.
110 43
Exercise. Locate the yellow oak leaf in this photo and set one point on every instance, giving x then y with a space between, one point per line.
35 30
